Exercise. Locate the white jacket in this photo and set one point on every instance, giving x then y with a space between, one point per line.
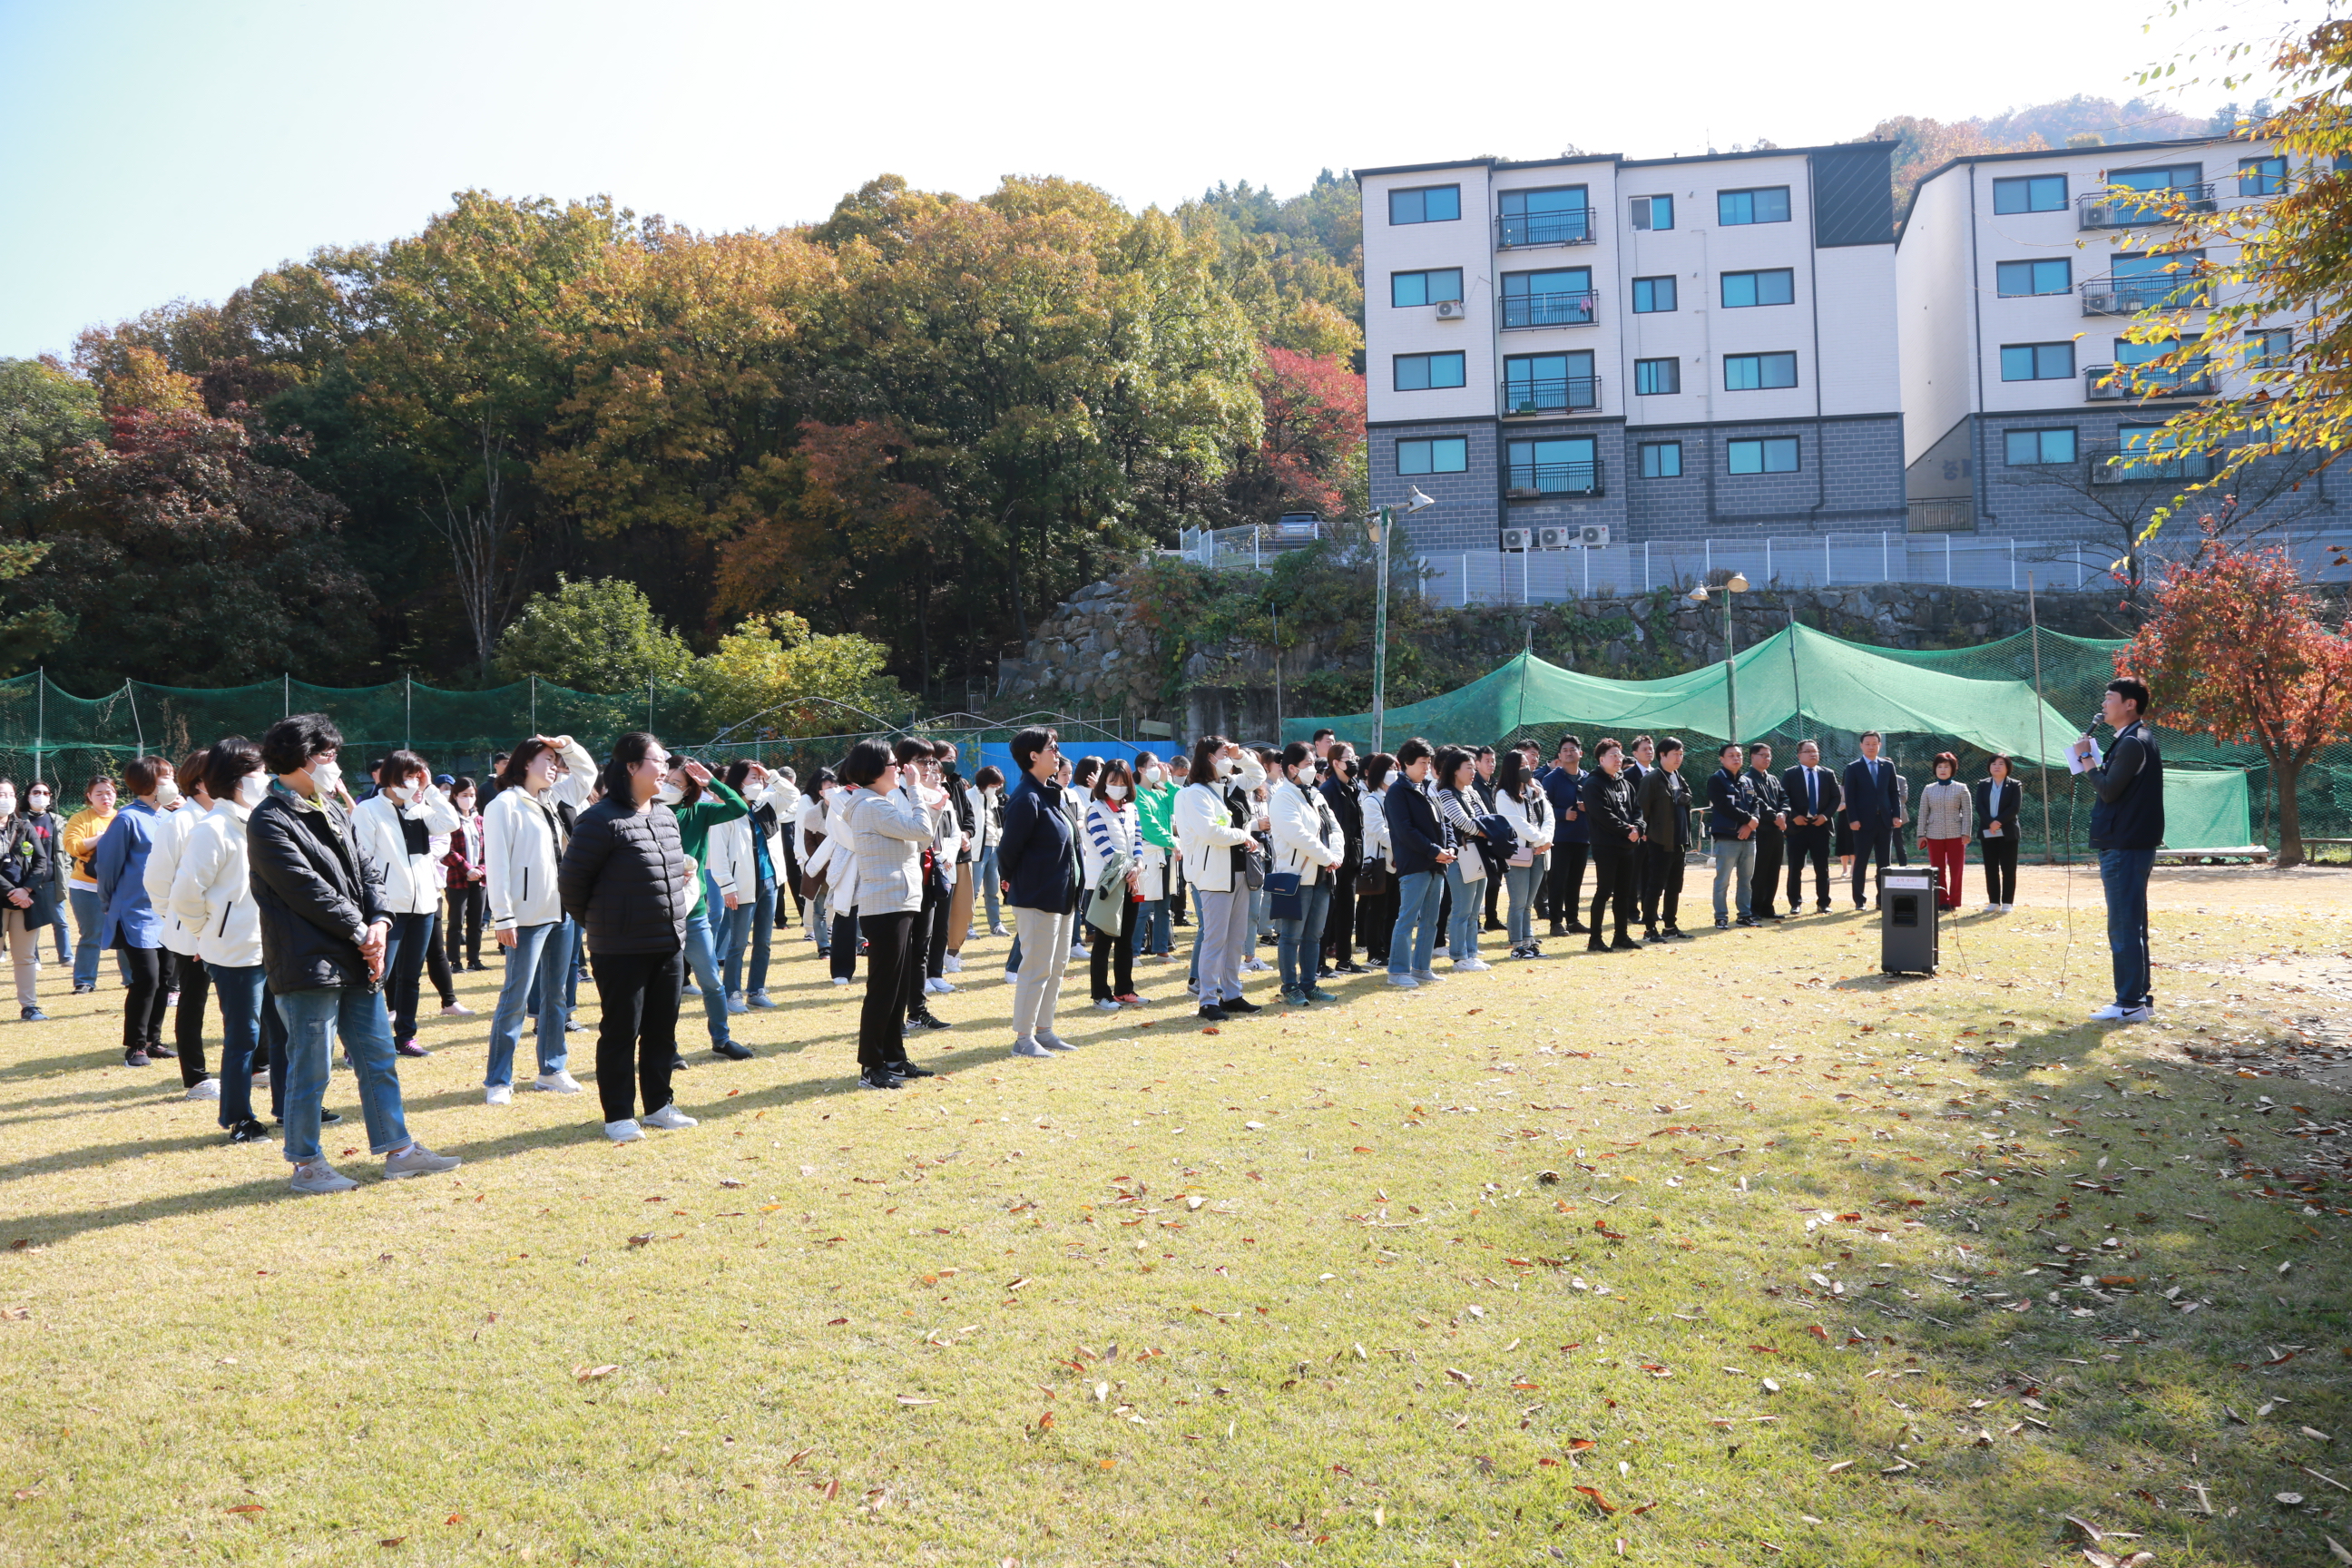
171 837
212 892
1307 837
1203 824
734 862
1376 825
520 854
1533 820
412 883
887 835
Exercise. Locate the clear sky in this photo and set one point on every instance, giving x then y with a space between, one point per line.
161 149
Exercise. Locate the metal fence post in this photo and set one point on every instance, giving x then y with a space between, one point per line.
2013 564
1829 566
1466 580
1886 558
1948 560
286 695
1587 570
1768 561
1645 566
534 705
408 711
1708 558
136 728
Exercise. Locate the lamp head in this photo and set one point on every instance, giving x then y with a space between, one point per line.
1737 583
1697 595
1415 500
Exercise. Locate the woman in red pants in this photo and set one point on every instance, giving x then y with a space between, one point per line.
1946 809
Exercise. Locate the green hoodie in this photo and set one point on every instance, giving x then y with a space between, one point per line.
694 825
1152 806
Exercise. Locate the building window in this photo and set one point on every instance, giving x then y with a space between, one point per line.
1777 287
2136 373
1430 204
1425 373
2262 176
2174 279
1771 455
1654 212
2037 362
2030 194
2039 448
1538 384
1656 377
1662 460
1437 455
1558 468
2270 348
1557 215
1561 297
1766 204
1407 289
2015 278
1653 296
1757 372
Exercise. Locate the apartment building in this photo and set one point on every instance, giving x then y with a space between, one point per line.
2026 411
1671 348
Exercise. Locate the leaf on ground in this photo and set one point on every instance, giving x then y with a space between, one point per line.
1593 1495
247 1508
586 1373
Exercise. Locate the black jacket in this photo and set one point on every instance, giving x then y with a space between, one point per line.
2130 811
1348 808
1731 803
622 878
1875 807
315 893
2002 809
1792 784
1665 808
1612 807
1771 801
28 864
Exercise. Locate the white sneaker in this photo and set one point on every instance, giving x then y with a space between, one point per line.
951 964
1404 982
558 1082
498 1094
1053 1042
624 1131
208 1089
318 1176
1428 976
1257 966
1078 949
935 987
1471 965
2140 1014
456 1010
2006 908
1012 977
416 1160
996 931
735 1003
1026 1047
841 980
1105 1004
2109 1013
670 1119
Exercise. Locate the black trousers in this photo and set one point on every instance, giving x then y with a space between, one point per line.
930 941
1616 885
843 948
1661 890
1339 923
638 994
1809 844
143 1007
194 982
436 966
1176 890
1876 841
462 939
1566 879
788 894
1766 885
1378 917
1999 868
1494 892
1111 960
891 984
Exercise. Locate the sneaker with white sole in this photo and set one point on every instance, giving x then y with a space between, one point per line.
318 1176
624 1131
1403 981
1012 977
456 1010
997 931
1053 1042
951 964
1428 976
1471 965
2138 1016
670 1119
498 1094
1026 1047
1105 1004
935 986
758 999
2110 1013
556 1082
416 1160
735 1003
204 1088
841 980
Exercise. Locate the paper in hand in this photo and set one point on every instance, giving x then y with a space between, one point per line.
2076 764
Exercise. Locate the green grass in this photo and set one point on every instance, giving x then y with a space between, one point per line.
1392 1281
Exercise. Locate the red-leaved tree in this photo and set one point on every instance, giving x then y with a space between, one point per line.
2235 649
1313 425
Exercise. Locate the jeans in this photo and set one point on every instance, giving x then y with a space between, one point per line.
986 871
58 921
1260 906
1469 910
536 968
750 926
404 970
637 993
239 989
1298 944
1734 872
313 1020
1522 881
702 957
1415 933
1152 932
1045 954
1226 938
87 920
2124 874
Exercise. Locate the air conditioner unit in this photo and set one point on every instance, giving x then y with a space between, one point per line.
2095 215
1559 536
1453 310
1517 539
1592 535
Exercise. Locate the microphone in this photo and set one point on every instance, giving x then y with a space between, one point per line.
2096 720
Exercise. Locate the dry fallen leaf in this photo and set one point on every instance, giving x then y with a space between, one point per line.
247 1508
585 1374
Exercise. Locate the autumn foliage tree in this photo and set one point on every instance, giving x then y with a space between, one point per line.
2236 650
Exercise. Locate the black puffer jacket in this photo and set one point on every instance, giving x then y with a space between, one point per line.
622 878
28 864
315 892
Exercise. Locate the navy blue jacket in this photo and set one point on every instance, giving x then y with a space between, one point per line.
1999 803
1566 792
1875 805
2130 812
1731 804
1416 834
1039 852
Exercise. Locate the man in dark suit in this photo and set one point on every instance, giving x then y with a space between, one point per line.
1665 830
1615 817
1813 793
1339 791
1771 830
1872 809
1563 781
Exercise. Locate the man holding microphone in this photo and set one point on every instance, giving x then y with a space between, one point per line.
2126 827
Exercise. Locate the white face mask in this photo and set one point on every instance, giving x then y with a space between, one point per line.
1154 774
1114 791
251 788
670 793
167 796
327 776
1227 767
7 805
37 804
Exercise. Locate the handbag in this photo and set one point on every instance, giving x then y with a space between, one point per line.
1372 878
1285 901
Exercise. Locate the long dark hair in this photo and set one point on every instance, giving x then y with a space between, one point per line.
627 752
1451 761
1204 759
1511 775
510 772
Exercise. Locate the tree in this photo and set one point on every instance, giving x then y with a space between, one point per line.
771 676
2235 649
593 637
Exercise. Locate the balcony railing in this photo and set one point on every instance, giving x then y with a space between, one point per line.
2126 383
1537 481
1565 310
2116 208
2130 296
1557 396
1571 225
2115 465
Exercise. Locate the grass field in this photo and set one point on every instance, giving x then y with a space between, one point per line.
1740 1253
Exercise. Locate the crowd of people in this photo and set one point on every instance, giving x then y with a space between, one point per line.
315 913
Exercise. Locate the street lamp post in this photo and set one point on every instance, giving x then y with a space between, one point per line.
1735 583
1383 524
